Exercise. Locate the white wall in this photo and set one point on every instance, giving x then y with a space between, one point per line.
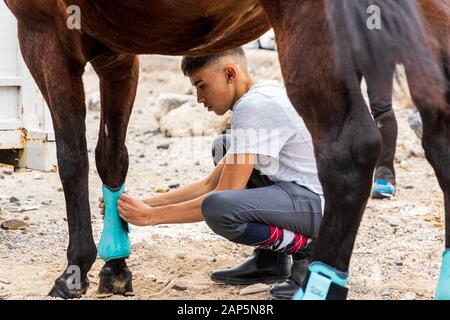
25 121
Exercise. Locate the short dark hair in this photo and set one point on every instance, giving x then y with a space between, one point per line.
190 65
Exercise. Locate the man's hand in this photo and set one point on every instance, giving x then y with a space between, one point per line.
101 205
134 211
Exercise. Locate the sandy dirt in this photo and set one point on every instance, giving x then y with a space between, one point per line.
397 253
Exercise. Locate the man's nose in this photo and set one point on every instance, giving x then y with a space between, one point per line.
200 99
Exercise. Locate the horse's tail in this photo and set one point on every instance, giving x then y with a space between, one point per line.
375 33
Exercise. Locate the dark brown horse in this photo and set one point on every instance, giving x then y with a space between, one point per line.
323 46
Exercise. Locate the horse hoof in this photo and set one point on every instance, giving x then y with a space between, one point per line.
115 278
64 288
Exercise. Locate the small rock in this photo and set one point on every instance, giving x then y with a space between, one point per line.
167 102
180 286
103 295
24 208
416 211
151 277
60 189
386 292
26 218
6 169
14 224
5 281
163 146
392 221
160 190
254 288
192 119
4 295
13 199
129 294
142 155
38 177
2 176
174 186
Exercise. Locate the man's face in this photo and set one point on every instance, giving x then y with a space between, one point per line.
214 90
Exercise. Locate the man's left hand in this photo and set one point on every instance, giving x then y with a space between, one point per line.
134 211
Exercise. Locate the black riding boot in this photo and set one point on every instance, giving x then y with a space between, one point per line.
263 266
299 269
385 172
387 123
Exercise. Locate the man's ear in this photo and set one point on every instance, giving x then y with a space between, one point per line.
231 72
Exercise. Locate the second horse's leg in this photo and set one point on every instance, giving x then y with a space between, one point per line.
347 143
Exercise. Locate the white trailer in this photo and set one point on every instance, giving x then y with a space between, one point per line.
25 121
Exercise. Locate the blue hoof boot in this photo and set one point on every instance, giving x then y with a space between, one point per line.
323 283
382 189
443 287
114 243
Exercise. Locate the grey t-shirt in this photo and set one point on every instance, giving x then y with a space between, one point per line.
265 123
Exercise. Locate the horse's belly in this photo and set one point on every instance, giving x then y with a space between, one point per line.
170 27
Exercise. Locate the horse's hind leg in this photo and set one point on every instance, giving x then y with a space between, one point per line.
118 83
58 74
436 143
346 140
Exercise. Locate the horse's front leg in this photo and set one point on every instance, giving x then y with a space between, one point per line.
346 140
58 74
118 83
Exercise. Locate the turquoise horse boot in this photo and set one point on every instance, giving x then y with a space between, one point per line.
443 287
323 283
114 243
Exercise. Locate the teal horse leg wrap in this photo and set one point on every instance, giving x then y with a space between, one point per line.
443 287
114 243
323 283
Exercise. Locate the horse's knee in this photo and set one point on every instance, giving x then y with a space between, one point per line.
357 151
346 167
112 162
